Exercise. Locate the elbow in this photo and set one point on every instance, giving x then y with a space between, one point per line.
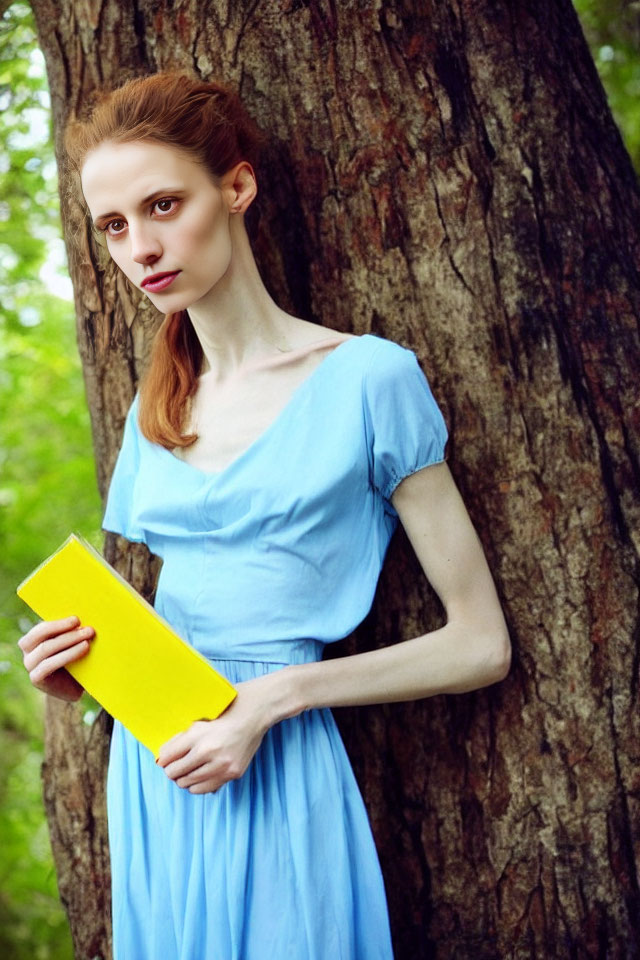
485 662
484 651
500 653
492 661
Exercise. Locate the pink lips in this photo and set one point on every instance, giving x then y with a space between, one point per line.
159 281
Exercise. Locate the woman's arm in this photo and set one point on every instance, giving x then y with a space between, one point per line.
472 650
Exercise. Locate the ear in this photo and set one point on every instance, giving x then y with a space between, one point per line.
239 187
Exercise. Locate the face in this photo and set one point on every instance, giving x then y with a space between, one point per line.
161 213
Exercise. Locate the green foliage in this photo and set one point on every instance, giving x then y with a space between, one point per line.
48 488
29 209
612 29
47 475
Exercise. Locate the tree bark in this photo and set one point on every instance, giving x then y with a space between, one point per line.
447 175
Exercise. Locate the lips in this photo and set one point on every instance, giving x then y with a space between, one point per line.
159 281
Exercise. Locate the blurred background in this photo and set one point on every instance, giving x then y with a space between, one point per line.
47 476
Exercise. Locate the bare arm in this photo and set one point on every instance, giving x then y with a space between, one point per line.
472 650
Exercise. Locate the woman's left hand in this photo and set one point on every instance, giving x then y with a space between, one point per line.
211 752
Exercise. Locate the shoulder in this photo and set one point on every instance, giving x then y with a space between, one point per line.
131 431
131 418
384 361
371 347
395 387
380 366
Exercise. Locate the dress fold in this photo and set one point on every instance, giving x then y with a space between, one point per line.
263 564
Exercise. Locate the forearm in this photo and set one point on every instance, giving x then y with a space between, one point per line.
448 660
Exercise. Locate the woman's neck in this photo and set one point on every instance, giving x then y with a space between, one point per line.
238 322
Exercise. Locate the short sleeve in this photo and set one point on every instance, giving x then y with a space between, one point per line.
119 515
406 430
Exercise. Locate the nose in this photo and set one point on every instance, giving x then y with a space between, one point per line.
145 244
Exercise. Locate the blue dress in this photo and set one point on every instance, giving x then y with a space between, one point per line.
264 563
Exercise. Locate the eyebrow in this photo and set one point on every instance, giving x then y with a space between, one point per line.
151 196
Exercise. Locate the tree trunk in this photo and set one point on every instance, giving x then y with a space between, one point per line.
447 175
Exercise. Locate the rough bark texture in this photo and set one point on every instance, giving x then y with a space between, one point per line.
448 175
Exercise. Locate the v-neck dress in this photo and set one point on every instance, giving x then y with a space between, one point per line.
264 563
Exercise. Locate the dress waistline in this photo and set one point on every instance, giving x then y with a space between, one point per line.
282 653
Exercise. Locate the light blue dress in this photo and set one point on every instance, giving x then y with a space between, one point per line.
264 563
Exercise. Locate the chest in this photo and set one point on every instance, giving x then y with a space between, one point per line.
230 417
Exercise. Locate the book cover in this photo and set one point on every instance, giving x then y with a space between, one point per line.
138 668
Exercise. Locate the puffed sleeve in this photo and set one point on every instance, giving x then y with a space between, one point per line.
119 515
406 430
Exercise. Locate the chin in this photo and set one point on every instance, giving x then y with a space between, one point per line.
168 304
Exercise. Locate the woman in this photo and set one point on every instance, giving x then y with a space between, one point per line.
268 462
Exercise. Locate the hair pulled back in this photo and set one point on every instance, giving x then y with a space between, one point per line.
208 122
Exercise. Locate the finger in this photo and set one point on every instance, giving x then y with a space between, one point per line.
175 748
183 766
43 630
48 666
192 731
54 645
198 775
207 786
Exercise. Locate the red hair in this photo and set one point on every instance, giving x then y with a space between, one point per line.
208 122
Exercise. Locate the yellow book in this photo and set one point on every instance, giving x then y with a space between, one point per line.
137 668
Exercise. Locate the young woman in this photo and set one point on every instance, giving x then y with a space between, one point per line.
267 460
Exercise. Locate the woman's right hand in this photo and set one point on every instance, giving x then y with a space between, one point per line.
48 647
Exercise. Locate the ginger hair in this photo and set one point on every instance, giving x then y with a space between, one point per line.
207 122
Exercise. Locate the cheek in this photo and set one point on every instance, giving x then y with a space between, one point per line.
209 240
121 260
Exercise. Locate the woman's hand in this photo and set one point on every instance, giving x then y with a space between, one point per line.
48 647
211 752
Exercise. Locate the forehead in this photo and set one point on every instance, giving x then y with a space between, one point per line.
115 174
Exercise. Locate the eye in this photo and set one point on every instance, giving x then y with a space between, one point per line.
117 225
165 206
160 204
